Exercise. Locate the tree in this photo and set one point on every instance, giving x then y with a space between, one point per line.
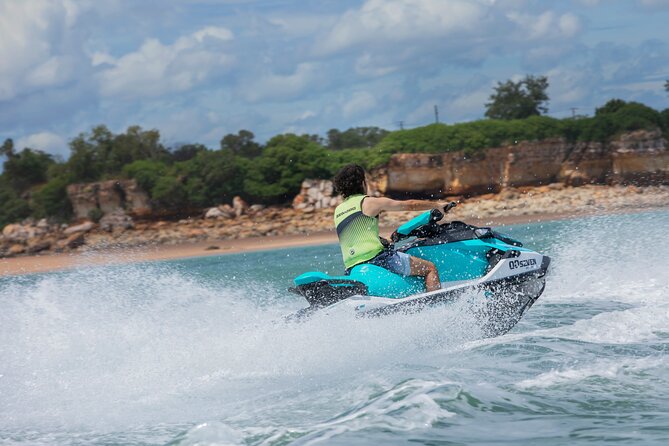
187 152
611 106
7 148
241 144
276 176
518 100
13 208
102 154
27 168
51 200
355 138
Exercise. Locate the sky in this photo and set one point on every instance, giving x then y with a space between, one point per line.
197 70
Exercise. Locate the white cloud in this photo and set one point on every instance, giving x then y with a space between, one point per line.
156 69
34 45
388 21
45 141
360 102
546 25
471 103
570 87
283 86
367 65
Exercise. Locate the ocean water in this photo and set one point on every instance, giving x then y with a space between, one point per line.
195 352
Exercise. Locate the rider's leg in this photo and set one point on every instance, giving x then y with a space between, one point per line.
425 268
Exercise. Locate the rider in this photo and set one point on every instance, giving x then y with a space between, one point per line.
357 224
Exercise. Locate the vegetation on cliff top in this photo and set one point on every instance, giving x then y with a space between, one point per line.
193 176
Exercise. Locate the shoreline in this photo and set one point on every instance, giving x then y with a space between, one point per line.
17 266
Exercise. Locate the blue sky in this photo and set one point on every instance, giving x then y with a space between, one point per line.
197 70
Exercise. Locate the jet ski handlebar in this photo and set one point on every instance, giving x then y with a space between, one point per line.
420 225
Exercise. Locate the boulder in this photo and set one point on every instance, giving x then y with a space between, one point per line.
116 220
83 227
73 241
17 233
214 213
16 249
228 211
315 194
38 245
240 206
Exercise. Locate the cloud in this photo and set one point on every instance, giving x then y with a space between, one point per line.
45 141
281 87
156 69
34 51
391 21
360 102
546 25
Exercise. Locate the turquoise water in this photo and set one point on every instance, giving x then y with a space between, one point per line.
194 352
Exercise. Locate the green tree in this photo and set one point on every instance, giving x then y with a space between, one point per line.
611 106
145 172
101 154
27 168
277 175
518 100
169 193
51 200
187 152
241 144
357 137
7 148
221 176
12 207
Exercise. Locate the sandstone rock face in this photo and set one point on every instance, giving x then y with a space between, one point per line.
109 196
640 157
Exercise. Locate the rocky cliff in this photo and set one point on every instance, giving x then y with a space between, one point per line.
109 197
635 158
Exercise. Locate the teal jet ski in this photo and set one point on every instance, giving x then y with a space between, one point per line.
472 261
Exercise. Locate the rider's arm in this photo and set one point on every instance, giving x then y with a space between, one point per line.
372 206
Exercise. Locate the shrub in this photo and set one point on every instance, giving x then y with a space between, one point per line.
95 215
51 200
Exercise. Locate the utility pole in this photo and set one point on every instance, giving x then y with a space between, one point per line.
573 112
401 124
436 114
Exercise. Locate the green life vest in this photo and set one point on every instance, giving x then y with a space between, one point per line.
358 233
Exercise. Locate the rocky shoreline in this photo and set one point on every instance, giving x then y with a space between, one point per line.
241 221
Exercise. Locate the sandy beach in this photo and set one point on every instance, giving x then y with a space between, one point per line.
59 261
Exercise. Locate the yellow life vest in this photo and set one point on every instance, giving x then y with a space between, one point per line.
358 233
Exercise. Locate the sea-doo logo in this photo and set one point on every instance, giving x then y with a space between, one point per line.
346 211
352 251
513 264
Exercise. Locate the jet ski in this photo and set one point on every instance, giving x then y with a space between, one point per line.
472 261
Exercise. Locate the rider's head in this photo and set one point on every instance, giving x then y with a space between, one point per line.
350 180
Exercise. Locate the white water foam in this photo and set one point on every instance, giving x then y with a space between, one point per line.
608 369
112 348
108 347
